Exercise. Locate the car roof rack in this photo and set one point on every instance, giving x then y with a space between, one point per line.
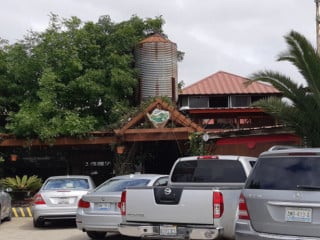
282 147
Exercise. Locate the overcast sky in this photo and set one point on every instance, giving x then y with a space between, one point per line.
236 36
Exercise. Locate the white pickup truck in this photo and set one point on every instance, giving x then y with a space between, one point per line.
199 202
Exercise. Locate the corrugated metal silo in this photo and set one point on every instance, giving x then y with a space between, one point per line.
156 59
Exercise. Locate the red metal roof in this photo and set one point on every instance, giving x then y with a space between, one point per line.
227 83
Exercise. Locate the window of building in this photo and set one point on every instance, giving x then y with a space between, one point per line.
240 101
257 98
184 101
216 102
198 102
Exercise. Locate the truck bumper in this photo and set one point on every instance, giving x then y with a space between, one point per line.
152 231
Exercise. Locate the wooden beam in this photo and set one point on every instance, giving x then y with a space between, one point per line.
225 110
165 134
12 142
130 135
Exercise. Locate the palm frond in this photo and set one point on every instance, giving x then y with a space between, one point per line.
24 181
284 84
304 56
18 180
303 112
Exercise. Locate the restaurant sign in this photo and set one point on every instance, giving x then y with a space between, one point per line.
159 118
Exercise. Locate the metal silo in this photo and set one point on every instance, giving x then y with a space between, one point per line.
156 59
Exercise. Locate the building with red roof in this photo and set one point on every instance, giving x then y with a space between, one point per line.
224 100
222 104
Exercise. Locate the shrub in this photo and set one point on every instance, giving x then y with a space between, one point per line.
25 183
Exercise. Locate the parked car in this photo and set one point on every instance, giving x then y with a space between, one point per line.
58 198
5 204
281 147
98 211
280 199
199 202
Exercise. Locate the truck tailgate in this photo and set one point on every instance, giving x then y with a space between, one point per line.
193 205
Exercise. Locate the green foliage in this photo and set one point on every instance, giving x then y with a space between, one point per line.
72 78
197 145
24 183
300 108
181 85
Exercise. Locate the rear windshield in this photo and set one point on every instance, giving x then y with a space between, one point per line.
285 173
70 183
205 171
118 185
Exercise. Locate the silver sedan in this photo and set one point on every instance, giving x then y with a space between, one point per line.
5 204
58 198
98 211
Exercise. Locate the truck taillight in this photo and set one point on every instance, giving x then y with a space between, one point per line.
83 204
207 157
122 203
38 200
243 210
218 205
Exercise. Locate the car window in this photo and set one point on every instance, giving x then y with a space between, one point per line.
285 173
118 185
161 182
70 183
252 163
202 171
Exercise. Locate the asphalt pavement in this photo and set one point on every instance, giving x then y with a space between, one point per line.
21 228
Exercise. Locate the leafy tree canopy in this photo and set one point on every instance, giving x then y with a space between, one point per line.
302 111
67 80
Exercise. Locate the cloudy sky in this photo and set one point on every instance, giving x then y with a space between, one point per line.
236 36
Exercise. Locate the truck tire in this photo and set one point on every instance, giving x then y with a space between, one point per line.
38 223
9 217
96 235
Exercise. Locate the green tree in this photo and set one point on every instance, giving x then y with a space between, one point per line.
300 107
17 81
72 78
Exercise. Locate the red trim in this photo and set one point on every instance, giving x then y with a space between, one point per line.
224 110
253 140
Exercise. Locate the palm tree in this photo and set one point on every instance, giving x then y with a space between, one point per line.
300 107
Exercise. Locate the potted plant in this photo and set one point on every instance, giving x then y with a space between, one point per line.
22 187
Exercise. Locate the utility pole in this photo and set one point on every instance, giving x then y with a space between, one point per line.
318 24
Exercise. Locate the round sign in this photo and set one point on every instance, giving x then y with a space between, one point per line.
205 137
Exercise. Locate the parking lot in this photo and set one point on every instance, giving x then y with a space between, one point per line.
21 228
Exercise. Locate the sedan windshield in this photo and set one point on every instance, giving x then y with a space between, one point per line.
118 185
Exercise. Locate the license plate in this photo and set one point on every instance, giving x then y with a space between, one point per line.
298 214
103 206
63 201
168 230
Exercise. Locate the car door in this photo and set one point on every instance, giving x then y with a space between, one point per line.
5 203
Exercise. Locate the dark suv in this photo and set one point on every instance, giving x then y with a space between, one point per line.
281 197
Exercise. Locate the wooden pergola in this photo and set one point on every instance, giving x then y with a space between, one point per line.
179 128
